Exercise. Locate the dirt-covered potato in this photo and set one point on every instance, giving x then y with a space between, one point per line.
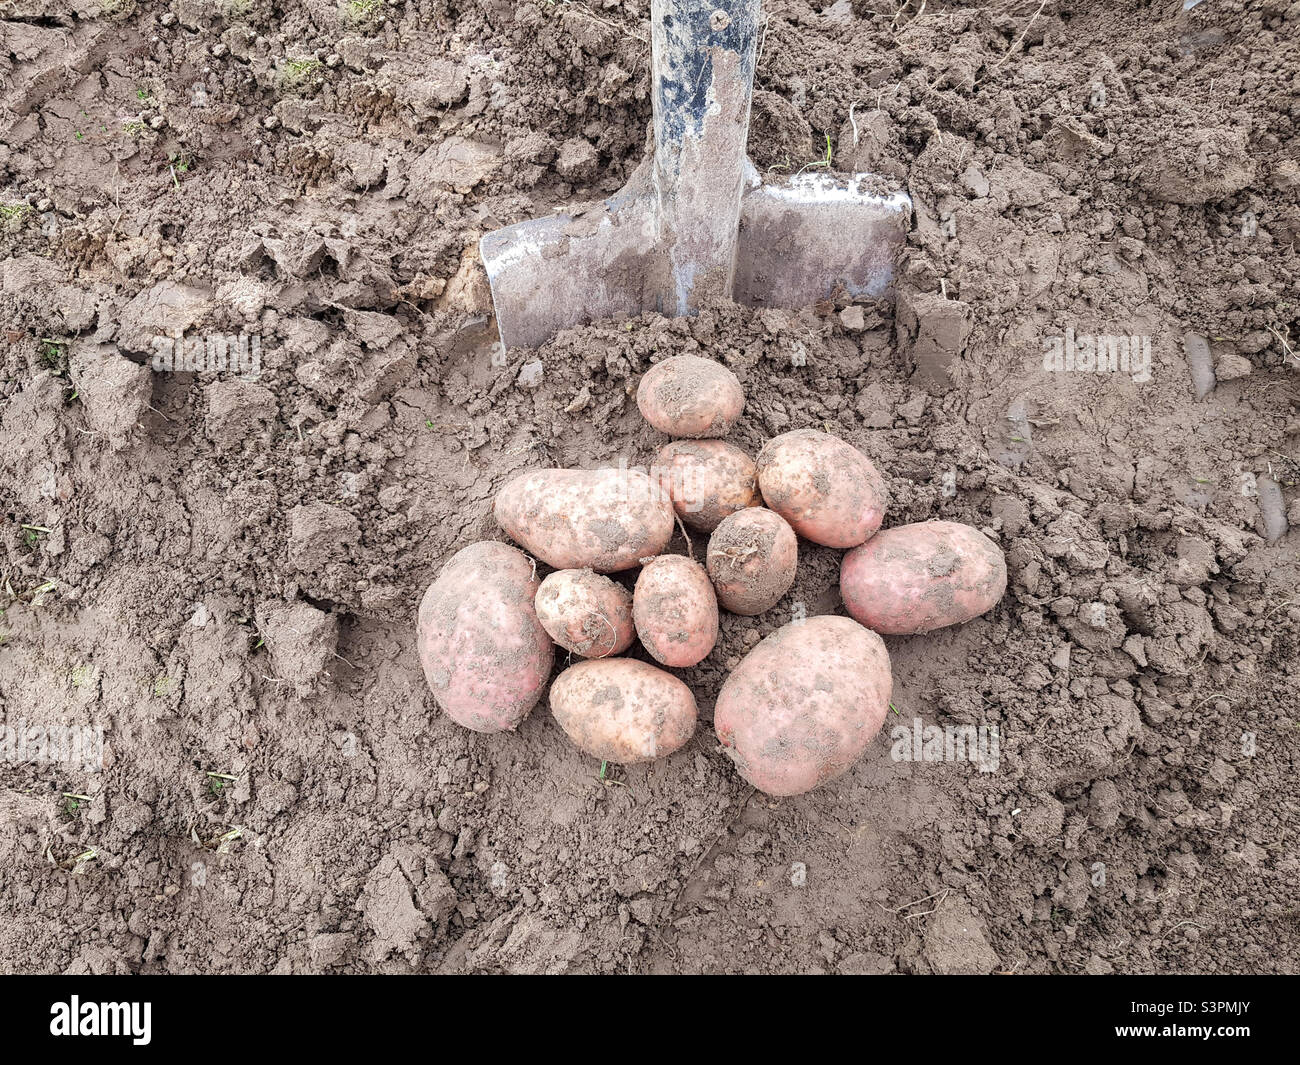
605 520
752 558
586 613
621 710
484 653
919 577
689 396
828 490
803 705
675 610
706 480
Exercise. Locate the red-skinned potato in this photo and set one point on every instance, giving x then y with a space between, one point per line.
828 490
752 558
485 655
605 520
706 480
915 578
686 395
621 710
675 610
586 613
802 706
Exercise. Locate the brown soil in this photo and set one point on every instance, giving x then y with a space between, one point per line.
223 573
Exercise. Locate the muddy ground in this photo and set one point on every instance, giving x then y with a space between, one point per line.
220 570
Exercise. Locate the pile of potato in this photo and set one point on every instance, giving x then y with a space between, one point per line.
802 706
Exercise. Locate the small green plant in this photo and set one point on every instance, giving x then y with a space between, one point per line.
73 802
179 163
82 675
117 9
14 212
300 74
219 782
134 128
362 10
53 353
823 163
162 685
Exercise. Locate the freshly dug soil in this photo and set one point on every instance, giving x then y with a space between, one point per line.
220 567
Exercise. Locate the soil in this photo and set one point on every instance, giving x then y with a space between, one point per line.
220 567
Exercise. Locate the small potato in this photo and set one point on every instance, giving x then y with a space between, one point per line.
621 710
802 706
706 480
485 655
686 395
586 613
919 577
605 520
827 490
675 610
752 559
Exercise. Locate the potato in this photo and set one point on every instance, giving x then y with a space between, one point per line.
621 710
605 520
827 490
915 578
803 705
484 653
751 560
586 613
675 610
689 396
706 480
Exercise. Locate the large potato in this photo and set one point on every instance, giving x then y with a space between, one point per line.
675 610
586 613
752 559
689 396
621 710
827 490
706 480
485 654
920 577
803 705
605 520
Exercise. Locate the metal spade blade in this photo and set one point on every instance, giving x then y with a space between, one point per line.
696 222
